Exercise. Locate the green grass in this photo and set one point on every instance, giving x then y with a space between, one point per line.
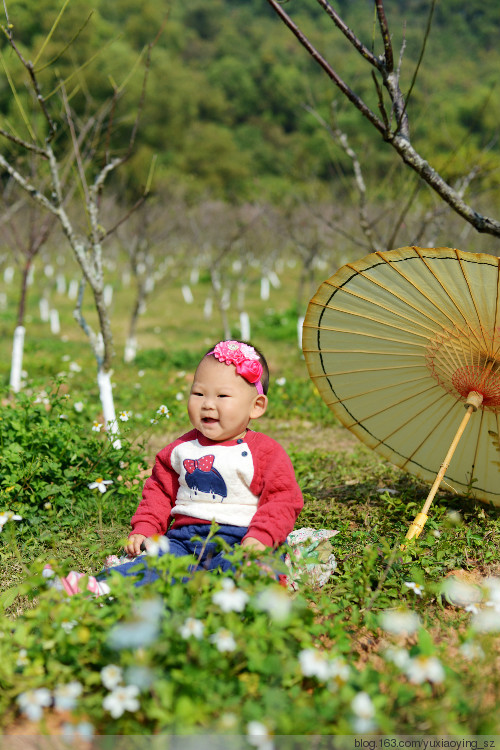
353 491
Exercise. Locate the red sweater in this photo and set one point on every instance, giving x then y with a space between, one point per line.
249 482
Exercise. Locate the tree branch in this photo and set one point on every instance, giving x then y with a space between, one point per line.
354 98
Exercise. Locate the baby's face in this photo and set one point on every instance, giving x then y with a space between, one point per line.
222 403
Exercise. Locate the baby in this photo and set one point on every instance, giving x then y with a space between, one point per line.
220 471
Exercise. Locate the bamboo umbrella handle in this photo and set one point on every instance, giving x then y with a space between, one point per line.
474 400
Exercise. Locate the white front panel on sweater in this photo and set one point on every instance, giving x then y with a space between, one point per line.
214 482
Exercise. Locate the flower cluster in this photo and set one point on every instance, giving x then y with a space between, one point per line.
242 356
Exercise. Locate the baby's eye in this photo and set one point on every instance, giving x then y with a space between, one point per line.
196 393
223 395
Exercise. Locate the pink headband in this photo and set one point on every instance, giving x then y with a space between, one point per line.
244 358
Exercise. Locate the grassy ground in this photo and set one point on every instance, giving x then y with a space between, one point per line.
345 486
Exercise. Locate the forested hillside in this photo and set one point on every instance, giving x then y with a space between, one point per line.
234 103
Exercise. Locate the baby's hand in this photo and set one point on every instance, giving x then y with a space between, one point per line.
253 543
133 546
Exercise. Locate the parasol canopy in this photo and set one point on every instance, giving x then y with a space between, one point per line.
397 342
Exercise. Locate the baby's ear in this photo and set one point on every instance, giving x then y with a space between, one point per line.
259 406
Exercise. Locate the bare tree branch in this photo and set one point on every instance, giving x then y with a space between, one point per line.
397 136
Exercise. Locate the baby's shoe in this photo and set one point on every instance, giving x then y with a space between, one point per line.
70 583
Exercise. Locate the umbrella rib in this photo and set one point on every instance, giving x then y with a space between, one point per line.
378 304
367 417
410 457
374 390
429 299
495 354
362 351
365 334
327 375
368 317
469 287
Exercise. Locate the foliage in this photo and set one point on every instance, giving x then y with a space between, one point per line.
47 461
319 661
228 99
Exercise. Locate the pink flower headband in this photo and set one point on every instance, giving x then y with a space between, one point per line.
244 358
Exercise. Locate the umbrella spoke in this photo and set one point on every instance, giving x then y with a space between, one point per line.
397 296
369 391
372 320
369 335
367 417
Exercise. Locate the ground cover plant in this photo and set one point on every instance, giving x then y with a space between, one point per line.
396 641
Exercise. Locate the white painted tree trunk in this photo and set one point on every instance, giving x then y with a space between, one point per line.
108 295
208 308
187 294
300 323
61 284
264 288
244 326
108 405
130 349
44 310
17 359
73 289
55 326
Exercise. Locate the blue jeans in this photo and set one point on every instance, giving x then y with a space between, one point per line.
180 544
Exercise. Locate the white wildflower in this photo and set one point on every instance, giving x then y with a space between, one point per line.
65 696
454 517
314 664
100 484
492 589
32 702
8 515
423 668
364 713
192 627
276 601
74 367
230 599
400 621
22 658
125 416
471 651
281 382
224 640
111 676
164 411
486 621
416 587
78 406
96 426
156 545
68 625
338 673
259 736
141 677
398 656
121 699
83 729
472 609
460 592
179 396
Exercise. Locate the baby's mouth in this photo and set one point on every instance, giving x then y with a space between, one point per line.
209 420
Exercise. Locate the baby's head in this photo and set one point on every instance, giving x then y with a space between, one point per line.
229 389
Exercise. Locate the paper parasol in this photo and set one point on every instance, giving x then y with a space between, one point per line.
397 344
